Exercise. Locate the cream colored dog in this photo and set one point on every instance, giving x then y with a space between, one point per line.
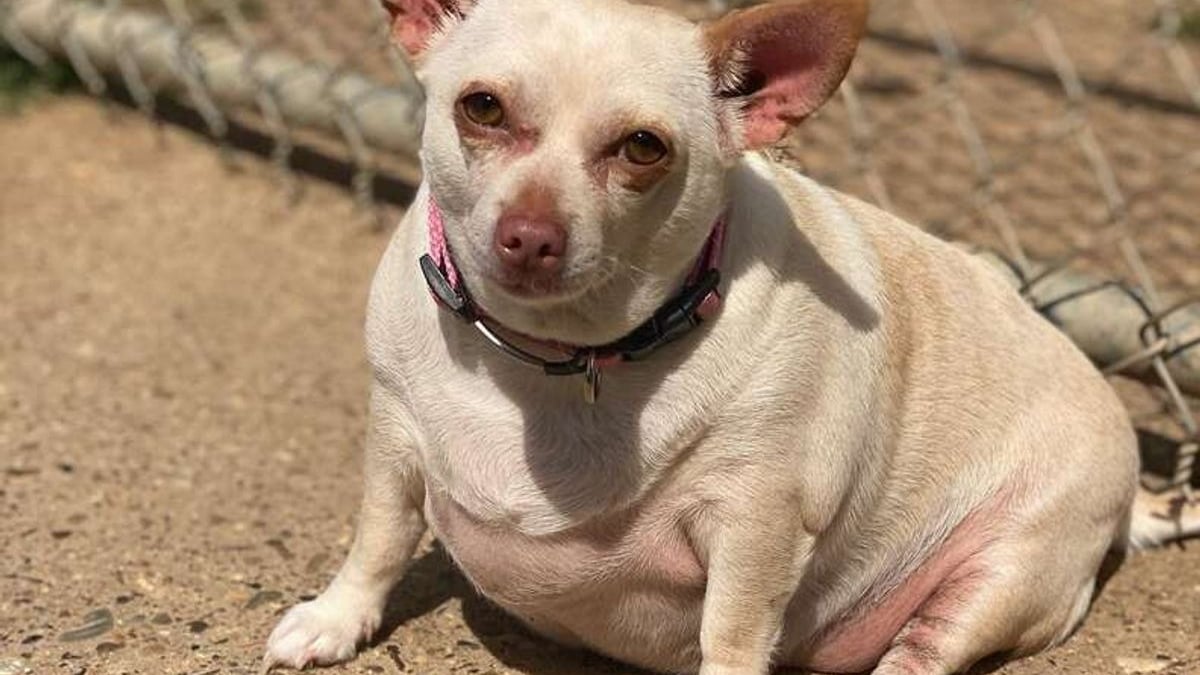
873 456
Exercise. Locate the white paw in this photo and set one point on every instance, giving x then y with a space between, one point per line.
325 631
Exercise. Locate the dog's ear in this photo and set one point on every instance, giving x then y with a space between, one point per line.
782 60
415 23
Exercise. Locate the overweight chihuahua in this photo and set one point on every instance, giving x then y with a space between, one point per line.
666 399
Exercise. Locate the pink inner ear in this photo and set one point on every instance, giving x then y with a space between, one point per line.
799 53
413 34
414 22
794 88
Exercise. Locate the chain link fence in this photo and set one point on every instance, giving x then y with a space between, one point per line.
1059 138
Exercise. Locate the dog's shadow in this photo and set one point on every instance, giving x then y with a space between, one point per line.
433 579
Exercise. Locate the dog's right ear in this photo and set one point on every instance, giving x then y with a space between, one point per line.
417 23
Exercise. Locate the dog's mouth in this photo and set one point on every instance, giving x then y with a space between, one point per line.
539 291
544 291
528 288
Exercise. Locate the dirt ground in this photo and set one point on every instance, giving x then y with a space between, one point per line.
181 413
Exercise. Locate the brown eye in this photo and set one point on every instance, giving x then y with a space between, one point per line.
644 148
483 109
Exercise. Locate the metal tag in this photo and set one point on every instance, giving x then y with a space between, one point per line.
591 386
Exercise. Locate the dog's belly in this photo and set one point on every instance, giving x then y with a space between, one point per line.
635 590
632 589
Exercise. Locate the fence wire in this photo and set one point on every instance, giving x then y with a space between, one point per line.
1063 135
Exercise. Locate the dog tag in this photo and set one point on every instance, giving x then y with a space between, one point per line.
591 377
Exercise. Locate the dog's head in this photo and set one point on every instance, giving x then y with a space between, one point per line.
580 148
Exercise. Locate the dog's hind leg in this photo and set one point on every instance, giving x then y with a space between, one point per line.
994 604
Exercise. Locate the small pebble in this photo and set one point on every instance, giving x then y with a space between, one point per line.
316 563
393 653
263 597
197 626
280 548
109 647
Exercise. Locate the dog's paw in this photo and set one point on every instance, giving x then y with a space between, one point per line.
323 632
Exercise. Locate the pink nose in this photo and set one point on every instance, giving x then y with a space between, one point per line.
530 249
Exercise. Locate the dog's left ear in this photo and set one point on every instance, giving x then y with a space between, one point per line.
783 60
415 23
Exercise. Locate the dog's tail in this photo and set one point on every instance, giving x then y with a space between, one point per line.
1157 519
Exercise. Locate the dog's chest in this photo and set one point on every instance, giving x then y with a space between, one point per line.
532 454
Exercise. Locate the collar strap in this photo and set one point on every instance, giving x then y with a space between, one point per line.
698 300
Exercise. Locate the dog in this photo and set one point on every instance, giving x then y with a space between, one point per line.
663 398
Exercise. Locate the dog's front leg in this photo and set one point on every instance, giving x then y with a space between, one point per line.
756 554
330 629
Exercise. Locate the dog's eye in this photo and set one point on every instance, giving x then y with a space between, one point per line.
483 109
644 148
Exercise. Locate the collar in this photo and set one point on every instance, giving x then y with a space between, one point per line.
698 300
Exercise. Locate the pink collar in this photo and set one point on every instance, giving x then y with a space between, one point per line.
699 300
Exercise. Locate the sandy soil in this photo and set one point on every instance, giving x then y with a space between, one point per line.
181 413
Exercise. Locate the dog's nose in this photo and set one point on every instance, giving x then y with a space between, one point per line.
530 247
